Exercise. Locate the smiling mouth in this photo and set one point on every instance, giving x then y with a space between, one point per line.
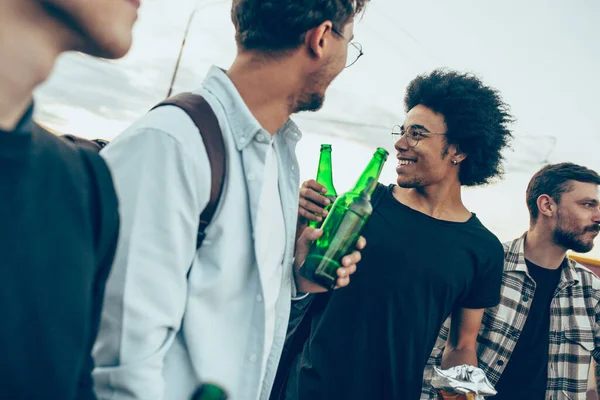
403 163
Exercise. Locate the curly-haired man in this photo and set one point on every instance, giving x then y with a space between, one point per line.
428 255
174 315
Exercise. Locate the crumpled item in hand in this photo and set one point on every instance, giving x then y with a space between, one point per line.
463 379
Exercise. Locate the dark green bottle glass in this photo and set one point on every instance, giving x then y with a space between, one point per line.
209 391
325 178
343 226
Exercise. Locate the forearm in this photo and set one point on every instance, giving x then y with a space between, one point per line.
459 356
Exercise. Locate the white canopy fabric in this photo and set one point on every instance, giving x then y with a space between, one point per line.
542 56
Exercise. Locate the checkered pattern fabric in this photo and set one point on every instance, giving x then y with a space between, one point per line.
574 327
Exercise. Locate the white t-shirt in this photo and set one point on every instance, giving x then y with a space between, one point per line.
270 246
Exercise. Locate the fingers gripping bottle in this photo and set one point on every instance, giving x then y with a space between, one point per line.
325 178
343 226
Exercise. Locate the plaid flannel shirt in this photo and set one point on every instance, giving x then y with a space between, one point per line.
574 327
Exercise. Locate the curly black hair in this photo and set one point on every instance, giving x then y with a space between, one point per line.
280 25
476 116
554 180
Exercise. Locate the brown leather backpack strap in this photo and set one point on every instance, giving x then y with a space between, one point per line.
206 121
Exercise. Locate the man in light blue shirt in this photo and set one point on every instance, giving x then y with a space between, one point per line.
162 332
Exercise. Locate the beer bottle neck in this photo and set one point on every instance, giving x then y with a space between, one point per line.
324 173
370 176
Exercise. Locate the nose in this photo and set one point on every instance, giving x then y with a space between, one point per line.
596 216
401 144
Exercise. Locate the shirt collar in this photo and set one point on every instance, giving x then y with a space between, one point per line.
243 124
514 259
25 124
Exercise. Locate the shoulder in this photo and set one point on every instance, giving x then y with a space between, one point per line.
82 163
590 287
169 121
49 144
83 170
166 127
164 139
379 193
484 238
162 149
587 278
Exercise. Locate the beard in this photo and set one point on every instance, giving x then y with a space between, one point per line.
572 241
410 183
569 237
424 176
309 102
313 96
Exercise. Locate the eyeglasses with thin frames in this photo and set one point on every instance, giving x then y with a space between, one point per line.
354 49
413 134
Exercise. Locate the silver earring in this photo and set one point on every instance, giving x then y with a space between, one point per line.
454 162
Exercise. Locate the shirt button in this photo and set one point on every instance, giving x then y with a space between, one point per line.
242 140
261 138
251 176
500 362
259 298
253 358
293 167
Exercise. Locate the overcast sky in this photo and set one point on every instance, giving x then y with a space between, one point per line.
542 55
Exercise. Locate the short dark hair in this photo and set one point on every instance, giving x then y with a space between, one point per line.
477 120
280 25
554 180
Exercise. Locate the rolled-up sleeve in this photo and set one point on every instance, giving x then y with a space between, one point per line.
162 187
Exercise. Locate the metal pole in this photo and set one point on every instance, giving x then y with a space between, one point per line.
187 30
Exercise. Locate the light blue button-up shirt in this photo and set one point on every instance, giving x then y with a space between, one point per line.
162 334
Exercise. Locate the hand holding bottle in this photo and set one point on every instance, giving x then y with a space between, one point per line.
325 179
312 207
312 202
309 235
342 227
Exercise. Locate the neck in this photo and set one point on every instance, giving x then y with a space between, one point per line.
441 201
267 86
541 249
30 43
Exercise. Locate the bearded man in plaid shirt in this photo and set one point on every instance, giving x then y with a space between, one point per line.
539 341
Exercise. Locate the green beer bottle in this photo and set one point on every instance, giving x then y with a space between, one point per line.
343 226
325 178
209 391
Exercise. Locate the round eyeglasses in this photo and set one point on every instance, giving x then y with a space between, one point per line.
412 133
354 53
355 50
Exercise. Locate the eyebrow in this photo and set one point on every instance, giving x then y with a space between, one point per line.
414 126
589 200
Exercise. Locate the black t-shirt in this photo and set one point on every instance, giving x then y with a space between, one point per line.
525 375
58 232
373 338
